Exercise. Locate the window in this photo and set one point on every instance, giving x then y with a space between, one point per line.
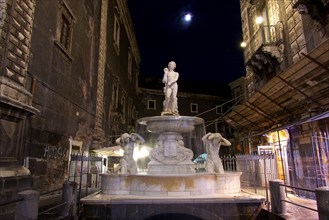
123 104
115 95
237 95
220 127
65 23
194 108
136 77
130 109
151 104
65 33
134 113
116 32
219 110
130 63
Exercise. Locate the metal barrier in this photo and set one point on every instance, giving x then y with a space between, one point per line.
229 163
28 203
11 202
279 195
299 188
47 211
51 209
257 170
85 171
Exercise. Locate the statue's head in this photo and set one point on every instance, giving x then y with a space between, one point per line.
172 65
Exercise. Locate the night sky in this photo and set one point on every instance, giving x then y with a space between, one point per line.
207 48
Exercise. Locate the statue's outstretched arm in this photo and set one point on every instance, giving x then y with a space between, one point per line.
225 142
165 78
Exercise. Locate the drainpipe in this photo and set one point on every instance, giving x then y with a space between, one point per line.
292 157
283 171
311 128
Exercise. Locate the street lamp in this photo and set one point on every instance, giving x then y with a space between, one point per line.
259 20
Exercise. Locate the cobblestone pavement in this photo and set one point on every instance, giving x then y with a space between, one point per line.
294 212
299 213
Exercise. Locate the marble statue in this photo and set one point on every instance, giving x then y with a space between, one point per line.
212 142
170 78
127 143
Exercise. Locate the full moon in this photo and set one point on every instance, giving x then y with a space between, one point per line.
188 17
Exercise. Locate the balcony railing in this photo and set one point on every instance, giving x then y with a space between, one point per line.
266 35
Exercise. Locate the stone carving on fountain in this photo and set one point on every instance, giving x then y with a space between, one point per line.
170 150
213 141
169 155
127 143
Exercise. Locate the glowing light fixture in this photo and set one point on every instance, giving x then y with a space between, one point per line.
243 44
141 152
259 20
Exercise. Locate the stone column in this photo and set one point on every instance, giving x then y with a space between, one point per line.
322 201
99 134
28 208
69 195
277 195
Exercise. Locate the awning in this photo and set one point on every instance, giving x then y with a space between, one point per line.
299 92
114 151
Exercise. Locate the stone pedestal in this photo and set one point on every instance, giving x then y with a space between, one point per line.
198 184
322 201
201 196
277 197
28 207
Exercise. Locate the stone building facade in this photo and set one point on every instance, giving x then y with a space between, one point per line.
287 62
69 71
16 100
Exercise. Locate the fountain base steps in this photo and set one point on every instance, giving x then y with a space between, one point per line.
216 206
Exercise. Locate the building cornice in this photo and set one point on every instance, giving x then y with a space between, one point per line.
127 21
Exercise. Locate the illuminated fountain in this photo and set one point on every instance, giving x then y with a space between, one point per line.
169 181
171 171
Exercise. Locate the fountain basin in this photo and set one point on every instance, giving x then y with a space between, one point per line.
161 124
198 184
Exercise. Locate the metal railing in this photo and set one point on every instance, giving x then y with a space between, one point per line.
265 35
53 209
85 171
229 163
21 199
296 204
12 202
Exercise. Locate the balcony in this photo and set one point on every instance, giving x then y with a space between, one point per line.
316 9
267 38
